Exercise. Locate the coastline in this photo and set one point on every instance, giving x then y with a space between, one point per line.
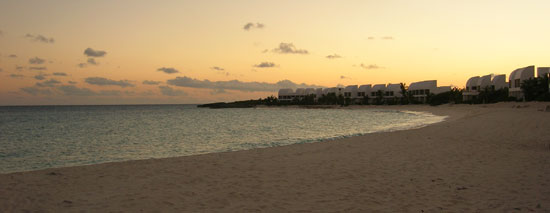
481 158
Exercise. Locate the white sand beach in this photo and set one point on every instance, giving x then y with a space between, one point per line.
483 158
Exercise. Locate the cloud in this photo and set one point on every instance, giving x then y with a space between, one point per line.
108 82
92 61
60 74
248 26
343 77
147 82
169 91
94 53
12 56
82 65
38 68
71 90
168 70
333 56
265 65
40 77
19 68
36 91
217 68
371 38
236 84
109 93
49 83
288 48
36 60
218 91
39 38
387 38
16 76
370 66
71 82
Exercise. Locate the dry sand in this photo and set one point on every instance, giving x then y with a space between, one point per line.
484 158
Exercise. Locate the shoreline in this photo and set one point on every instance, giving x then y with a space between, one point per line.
448 166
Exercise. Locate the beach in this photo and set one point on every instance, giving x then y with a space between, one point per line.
483 158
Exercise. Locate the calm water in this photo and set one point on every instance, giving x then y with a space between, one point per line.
34 138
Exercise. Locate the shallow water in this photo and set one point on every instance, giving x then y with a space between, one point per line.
40 137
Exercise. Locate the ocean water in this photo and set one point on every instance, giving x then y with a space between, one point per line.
39 137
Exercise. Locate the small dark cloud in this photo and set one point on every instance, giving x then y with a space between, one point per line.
94 53
387 38
36 91
92 61
217 68
71 90
248 26
218 91
16 76
288 48
82 65
265 64
370 66
38 68
60 74
343 77
333 56
169 91
39 38
100 81
49 83
19 68
109 93
36 60
71 82
147 82
371 38
12 56
236 84
168 70
40 77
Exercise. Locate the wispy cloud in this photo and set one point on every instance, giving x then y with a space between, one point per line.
19 68
333 56
36 91
71 90
16 76
12 56
92 61
217 68
370 66
343 77
72 82
248 26
289 48
387 38
235 84
38 68
168 70
40 76
59 74
147 82
265 64
100 81
36 60
39 38
169 91
94 53
49 83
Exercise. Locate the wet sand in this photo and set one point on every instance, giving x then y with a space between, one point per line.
483 158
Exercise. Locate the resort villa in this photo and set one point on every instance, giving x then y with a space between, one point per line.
420 90
487 82
516 78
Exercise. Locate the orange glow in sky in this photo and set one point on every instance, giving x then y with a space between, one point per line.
146 52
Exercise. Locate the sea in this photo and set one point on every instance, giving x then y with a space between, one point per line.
40 137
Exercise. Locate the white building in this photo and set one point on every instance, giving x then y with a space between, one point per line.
351 92
516 79
286 94
393 91
377 88
364 90
476 84
421 89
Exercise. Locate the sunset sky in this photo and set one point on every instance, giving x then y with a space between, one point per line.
147 52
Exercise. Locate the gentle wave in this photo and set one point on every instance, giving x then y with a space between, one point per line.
44 137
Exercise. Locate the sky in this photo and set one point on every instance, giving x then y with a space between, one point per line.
189 52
